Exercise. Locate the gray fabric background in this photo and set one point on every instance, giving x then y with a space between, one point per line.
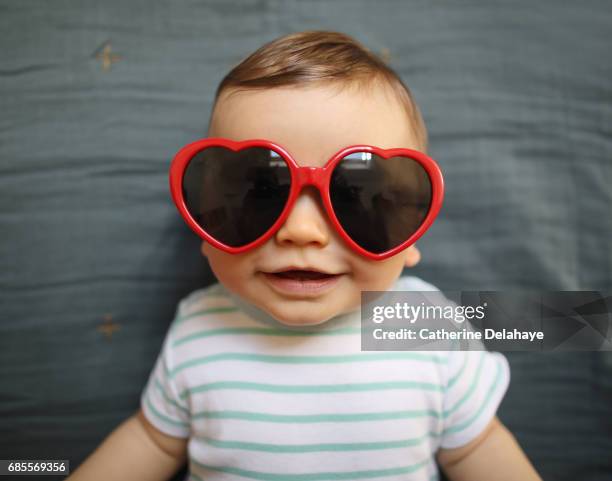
517 98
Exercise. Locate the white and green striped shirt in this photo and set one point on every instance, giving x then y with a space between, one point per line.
262 401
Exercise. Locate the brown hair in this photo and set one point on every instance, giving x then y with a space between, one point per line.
318 56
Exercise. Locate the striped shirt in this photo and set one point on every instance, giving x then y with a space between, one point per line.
262 401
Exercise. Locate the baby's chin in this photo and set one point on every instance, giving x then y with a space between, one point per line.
302 314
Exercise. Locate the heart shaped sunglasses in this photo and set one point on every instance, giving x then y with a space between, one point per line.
237 194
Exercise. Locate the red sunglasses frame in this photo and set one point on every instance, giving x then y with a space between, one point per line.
318 177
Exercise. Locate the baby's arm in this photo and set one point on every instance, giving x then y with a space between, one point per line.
134 451
493 456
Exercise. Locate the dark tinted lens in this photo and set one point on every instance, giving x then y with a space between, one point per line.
236 196
380 202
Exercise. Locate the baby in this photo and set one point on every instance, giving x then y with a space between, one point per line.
261 376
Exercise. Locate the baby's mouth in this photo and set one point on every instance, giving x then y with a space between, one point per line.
302 275
301 282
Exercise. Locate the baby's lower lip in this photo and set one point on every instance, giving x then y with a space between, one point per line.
285 283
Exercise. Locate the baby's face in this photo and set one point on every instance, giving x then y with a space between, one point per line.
311 124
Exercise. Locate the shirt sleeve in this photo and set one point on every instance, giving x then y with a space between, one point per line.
475 385
160 401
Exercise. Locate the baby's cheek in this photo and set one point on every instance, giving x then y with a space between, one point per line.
378 275
225 273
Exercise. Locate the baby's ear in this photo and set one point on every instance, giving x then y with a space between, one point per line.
203 248
412 256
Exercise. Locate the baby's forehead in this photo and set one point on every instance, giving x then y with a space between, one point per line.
316 121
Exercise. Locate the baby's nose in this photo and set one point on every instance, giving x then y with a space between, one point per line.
307 222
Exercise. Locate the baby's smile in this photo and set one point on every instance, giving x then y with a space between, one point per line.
306 282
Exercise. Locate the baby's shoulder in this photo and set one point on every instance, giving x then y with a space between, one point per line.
209 307
214 296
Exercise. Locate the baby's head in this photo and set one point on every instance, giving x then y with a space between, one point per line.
313 93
